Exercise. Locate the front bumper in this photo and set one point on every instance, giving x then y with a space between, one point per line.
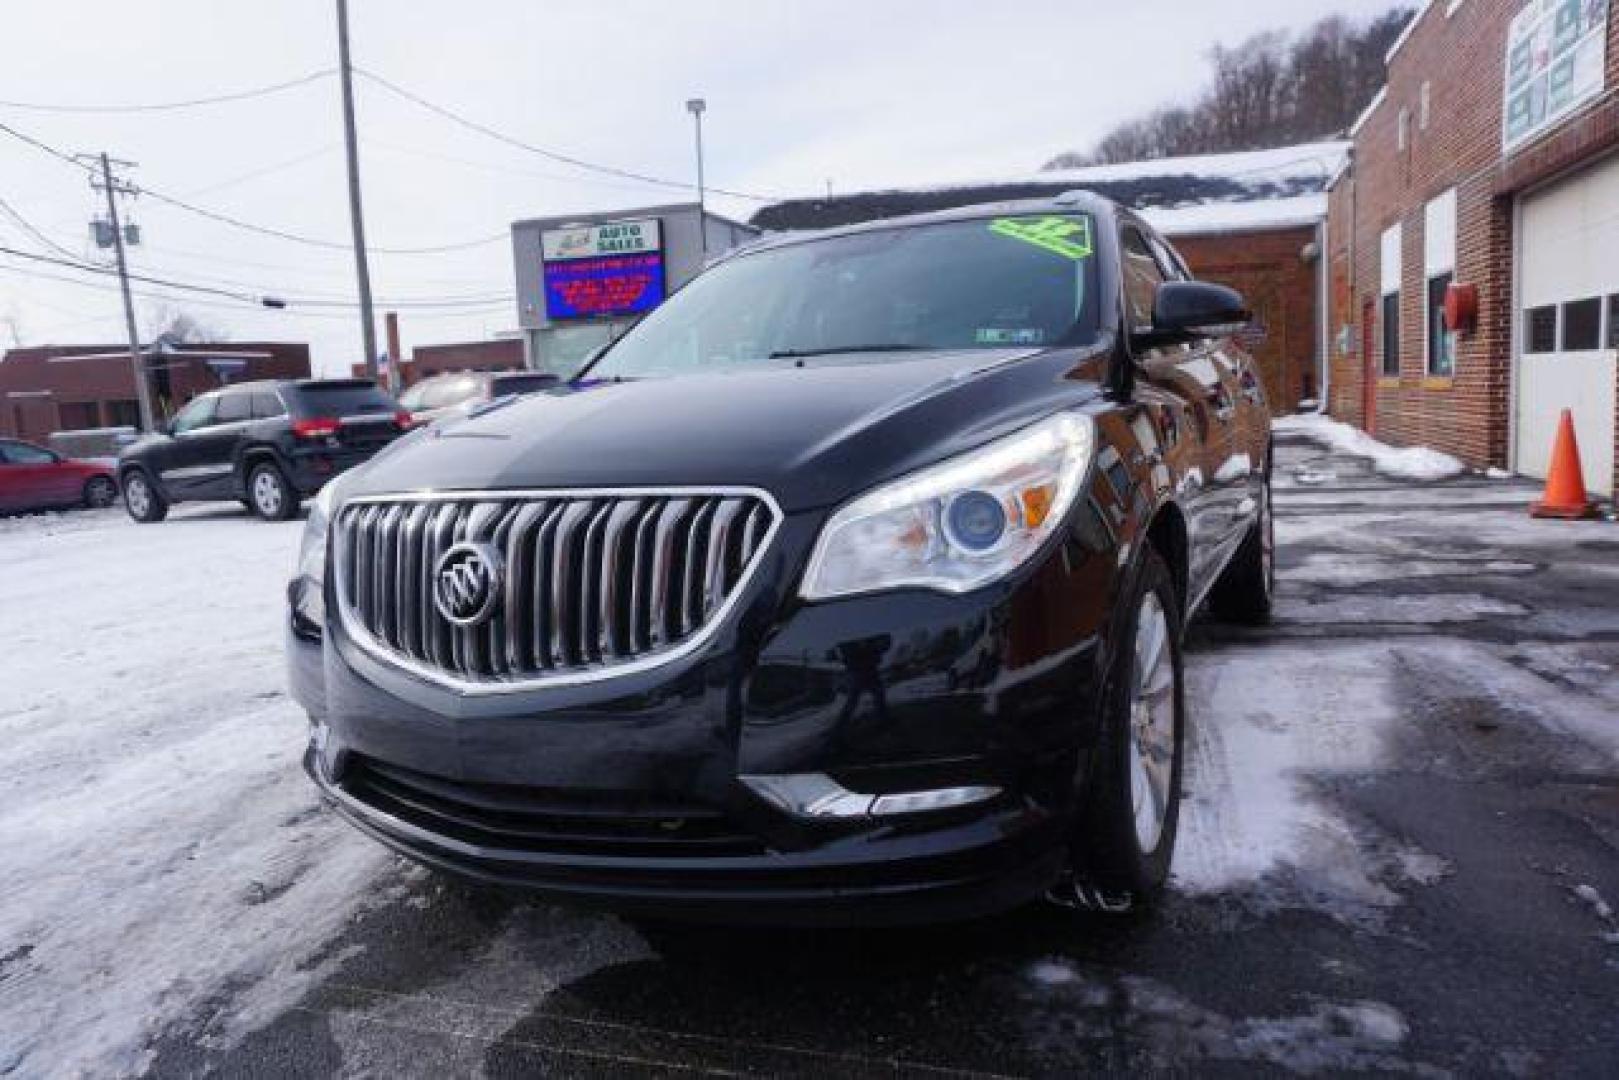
900 693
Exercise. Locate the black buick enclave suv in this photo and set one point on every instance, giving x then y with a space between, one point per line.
848 587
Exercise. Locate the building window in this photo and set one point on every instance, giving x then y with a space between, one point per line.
1391 335
1582 325
1540 329
123 413
1438 271
1402 131
1424 102
78 415
1441 342
1613 322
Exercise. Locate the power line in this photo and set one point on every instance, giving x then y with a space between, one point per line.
266 170
263 230
236 304
164 106
553 155
483 300
92 268
29 228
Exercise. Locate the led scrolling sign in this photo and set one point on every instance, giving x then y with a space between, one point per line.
597 271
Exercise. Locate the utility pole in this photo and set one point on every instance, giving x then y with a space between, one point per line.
368 328
696 107
137 362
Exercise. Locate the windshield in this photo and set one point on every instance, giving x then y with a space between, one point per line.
990 283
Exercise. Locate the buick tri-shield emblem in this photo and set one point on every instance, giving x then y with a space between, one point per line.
466 583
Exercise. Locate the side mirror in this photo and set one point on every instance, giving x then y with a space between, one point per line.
1189 309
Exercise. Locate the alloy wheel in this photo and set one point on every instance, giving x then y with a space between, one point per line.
100 493
138 495
266 493
1152 723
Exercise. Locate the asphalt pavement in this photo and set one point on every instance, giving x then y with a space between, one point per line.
1400 854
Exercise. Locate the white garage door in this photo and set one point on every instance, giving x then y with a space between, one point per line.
1569 320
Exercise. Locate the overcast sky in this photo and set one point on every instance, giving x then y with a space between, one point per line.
859 94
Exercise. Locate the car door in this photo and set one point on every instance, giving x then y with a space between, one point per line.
17 479
34 477
186 466
219 443
1194 407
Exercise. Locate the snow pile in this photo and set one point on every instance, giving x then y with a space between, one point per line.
162 846
1266 722
1202 219
1401 463
1164 1031
1307 162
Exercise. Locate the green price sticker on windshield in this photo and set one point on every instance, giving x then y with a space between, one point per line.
1069 237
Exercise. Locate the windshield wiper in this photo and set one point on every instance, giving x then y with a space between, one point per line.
800 354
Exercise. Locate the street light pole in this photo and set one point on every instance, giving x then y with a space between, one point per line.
368 327
696 106
137 362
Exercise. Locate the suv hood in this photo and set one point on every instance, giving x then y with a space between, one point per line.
811 435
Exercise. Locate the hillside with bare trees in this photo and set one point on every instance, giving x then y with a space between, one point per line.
1272 90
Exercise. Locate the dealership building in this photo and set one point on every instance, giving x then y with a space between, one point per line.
1474 238
583 280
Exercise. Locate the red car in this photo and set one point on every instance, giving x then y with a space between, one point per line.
34 478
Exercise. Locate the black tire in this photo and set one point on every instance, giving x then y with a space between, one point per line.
1120 863
100 492
142 499
268 493
1246 587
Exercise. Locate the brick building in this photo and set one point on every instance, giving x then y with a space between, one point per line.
50 388
1490 162
498 354
1254 221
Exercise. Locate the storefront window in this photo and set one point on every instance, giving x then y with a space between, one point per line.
1441 342
1391 335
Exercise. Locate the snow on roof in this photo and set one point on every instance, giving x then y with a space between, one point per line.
1173 187
1207 219
1249 167
1410 26
1366 113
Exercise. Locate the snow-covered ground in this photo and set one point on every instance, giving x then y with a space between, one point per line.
1400 463
160 844
165 866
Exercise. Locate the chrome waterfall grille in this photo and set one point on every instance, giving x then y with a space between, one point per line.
582 585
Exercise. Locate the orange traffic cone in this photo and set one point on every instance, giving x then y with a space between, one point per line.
1565 483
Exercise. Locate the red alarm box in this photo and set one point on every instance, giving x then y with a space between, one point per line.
1461 308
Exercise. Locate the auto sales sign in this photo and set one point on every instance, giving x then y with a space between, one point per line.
596 271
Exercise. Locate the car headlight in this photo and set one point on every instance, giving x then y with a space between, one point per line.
960 524
307 593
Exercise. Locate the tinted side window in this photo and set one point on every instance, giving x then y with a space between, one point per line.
1141 277
266 404
22 454
198 414
234 408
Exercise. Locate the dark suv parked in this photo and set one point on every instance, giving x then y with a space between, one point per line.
266 444
848 586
